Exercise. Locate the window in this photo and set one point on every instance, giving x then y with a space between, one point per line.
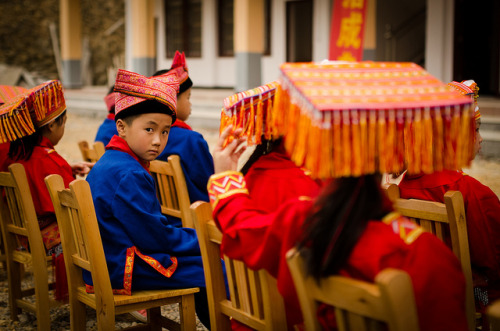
226 27
267 27
183 27
225 13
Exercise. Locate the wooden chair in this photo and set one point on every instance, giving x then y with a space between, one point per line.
18 219
493 313
171 189
91 154
358 305
83 249
446 221
255 300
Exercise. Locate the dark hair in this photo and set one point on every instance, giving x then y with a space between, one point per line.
22 148
339 217
145 107
265 147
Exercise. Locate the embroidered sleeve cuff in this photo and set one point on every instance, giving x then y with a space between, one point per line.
225 184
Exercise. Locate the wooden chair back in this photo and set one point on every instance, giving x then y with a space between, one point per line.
447 221
254 297
91 154
493 312
358 305
171 189
82 246
19 220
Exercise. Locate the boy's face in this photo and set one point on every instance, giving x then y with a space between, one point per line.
184 105
146 135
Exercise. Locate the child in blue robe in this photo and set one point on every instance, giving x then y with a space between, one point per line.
192 148
108 128
143 249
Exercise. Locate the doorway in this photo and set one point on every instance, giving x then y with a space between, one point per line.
299 30
476 53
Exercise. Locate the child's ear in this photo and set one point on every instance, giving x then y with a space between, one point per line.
50 127
120 127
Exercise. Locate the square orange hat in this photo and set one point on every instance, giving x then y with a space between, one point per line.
21 115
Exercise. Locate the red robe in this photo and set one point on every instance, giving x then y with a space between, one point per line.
482 209
274 179
262 240
4 150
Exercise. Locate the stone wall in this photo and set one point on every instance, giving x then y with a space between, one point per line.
26 42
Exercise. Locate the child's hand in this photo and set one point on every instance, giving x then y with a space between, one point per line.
226 157
81 168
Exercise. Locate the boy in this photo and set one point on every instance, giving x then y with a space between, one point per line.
143 250
196 160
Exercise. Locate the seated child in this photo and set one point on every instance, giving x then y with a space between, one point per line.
143 250
373 238
192 148
482 208
35 151
108 128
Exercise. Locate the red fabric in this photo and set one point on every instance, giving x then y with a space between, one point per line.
482 209
43 162
119 144
181 124
4 150
262 240
111 116
274 179
61 288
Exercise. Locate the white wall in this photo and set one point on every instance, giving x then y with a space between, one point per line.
213 71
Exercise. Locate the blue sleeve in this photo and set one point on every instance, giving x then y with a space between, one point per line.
199 167
106 131
196 161
136 207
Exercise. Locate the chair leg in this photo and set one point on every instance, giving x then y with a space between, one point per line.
187 313
77 315
14 277
105 317
154 319
40 280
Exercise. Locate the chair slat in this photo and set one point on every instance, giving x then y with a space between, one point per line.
254 297
172 189
389 299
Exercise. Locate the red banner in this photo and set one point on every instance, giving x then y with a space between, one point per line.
348 28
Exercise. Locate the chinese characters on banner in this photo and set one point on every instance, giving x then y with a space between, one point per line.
346 37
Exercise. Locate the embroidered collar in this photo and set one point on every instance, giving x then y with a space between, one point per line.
181 124
119 144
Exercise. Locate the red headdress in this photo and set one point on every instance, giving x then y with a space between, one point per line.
36 107
179 66
133 89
